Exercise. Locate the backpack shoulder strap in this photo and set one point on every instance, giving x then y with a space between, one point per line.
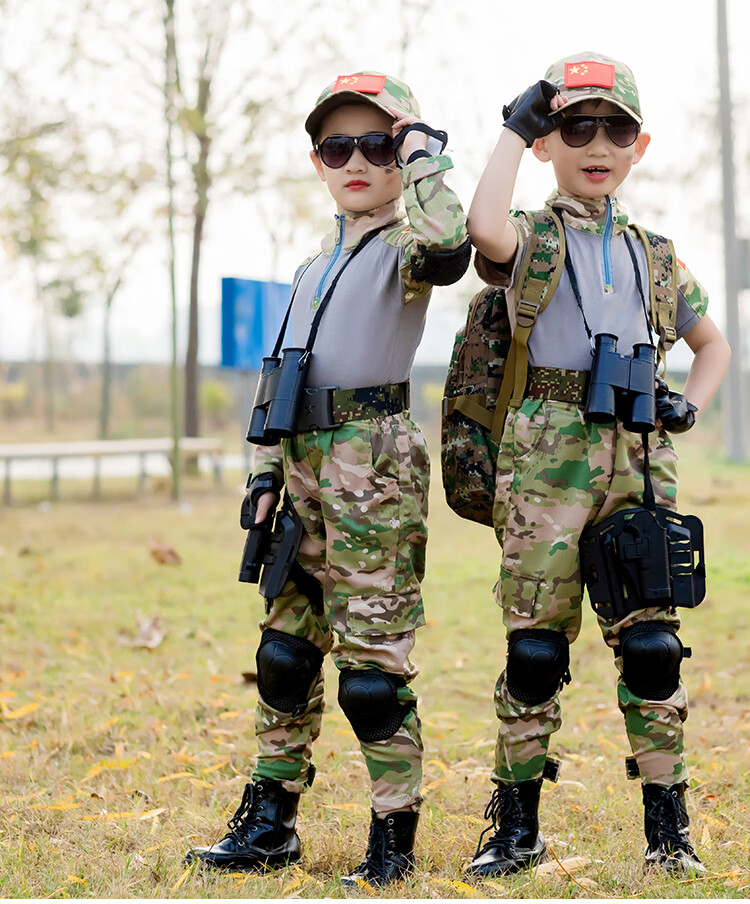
660 258
537 282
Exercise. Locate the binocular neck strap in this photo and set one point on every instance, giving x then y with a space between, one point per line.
577 292
649 501
324 303
282 331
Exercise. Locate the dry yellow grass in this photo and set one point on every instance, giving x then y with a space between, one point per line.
115 758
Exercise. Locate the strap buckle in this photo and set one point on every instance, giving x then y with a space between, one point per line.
527 312
667 336
316 410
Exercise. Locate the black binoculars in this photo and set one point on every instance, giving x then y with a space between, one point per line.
622 385
277 397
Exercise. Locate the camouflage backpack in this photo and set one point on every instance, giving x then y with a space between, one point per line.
489 363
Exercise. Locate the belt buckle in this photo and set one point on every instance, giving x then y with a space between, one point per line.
316 410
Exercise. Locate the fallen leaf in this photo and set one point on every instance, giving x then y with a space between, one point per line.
69 806
163 553
569 865
130 814
108 764
434 784
182 878
220 765
18 713
149 634
467 890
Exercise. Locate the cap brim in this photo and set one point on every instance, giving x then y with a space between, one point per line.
594 96
313 121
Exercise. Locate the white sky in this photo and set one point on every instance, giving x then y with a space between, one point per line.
464 62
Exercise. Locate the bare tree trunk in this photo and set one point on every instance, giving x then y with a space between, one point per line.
104 407
170 88
192 407
48 366
106 399
201 184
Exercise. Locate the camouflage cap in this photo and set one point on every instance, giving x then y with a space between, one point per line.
593 75
362 87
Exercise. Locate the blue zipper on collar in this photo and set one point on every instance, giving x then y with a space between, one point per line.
341 229
607 274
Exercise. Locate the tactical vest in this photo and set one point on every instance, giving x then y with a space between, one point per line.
488 370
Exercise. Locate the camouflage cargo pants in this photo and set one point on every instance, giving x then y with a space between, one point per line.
361 492
557 474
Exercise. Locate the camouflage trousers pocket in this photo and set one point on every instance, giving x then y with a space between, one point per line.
520 594
528 427
385 614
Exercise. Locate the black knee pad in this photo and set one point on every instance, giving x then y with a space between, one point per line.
651 656
370 703
288 667
537 664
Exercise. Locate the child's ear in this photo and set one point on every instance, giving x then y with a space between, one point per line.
641 143
318 166
540 150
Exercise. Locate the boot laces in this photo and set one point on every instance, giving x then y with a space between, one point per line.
504 813
667 815
380 848
245 818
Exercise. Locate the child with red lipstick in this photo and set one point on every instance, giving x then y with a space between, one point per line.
557 472
357 474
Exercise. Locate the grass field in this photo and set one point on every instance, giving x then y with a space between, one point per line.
116 758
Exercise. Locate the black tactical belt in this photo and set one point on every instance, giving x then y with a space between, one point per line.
556 383
326 407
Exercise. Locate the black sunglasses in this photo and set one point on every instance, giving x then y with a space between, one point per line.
578 131
377 148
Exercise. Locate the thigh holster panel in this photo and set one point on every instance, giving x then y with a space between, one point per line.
288 667
369 699
537 664
651 656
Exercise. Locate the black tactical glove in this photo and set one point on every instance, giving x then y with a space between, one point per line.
256 486
529 114
677 415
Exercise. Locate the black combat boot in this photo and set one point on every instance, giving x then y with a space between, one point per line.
666 823
261 833
516 844
390 849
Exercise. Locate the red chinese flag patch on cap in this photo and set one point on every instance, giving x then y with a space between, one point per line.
365 84
589 74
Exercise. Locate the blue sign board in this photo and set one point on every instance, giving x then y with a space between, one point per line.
251 316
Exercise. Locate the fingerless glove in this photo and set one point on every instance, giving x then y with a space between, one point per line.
529 114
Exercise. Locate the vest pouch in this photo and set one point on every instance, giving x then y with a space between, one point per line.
264 394
281 420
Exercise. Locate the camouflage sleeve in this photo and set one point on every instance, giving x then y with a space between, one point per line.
435 247
503 275
691 290
269 460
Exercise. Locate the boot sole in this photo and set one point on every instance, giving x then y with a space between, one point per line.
488 871
248 865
